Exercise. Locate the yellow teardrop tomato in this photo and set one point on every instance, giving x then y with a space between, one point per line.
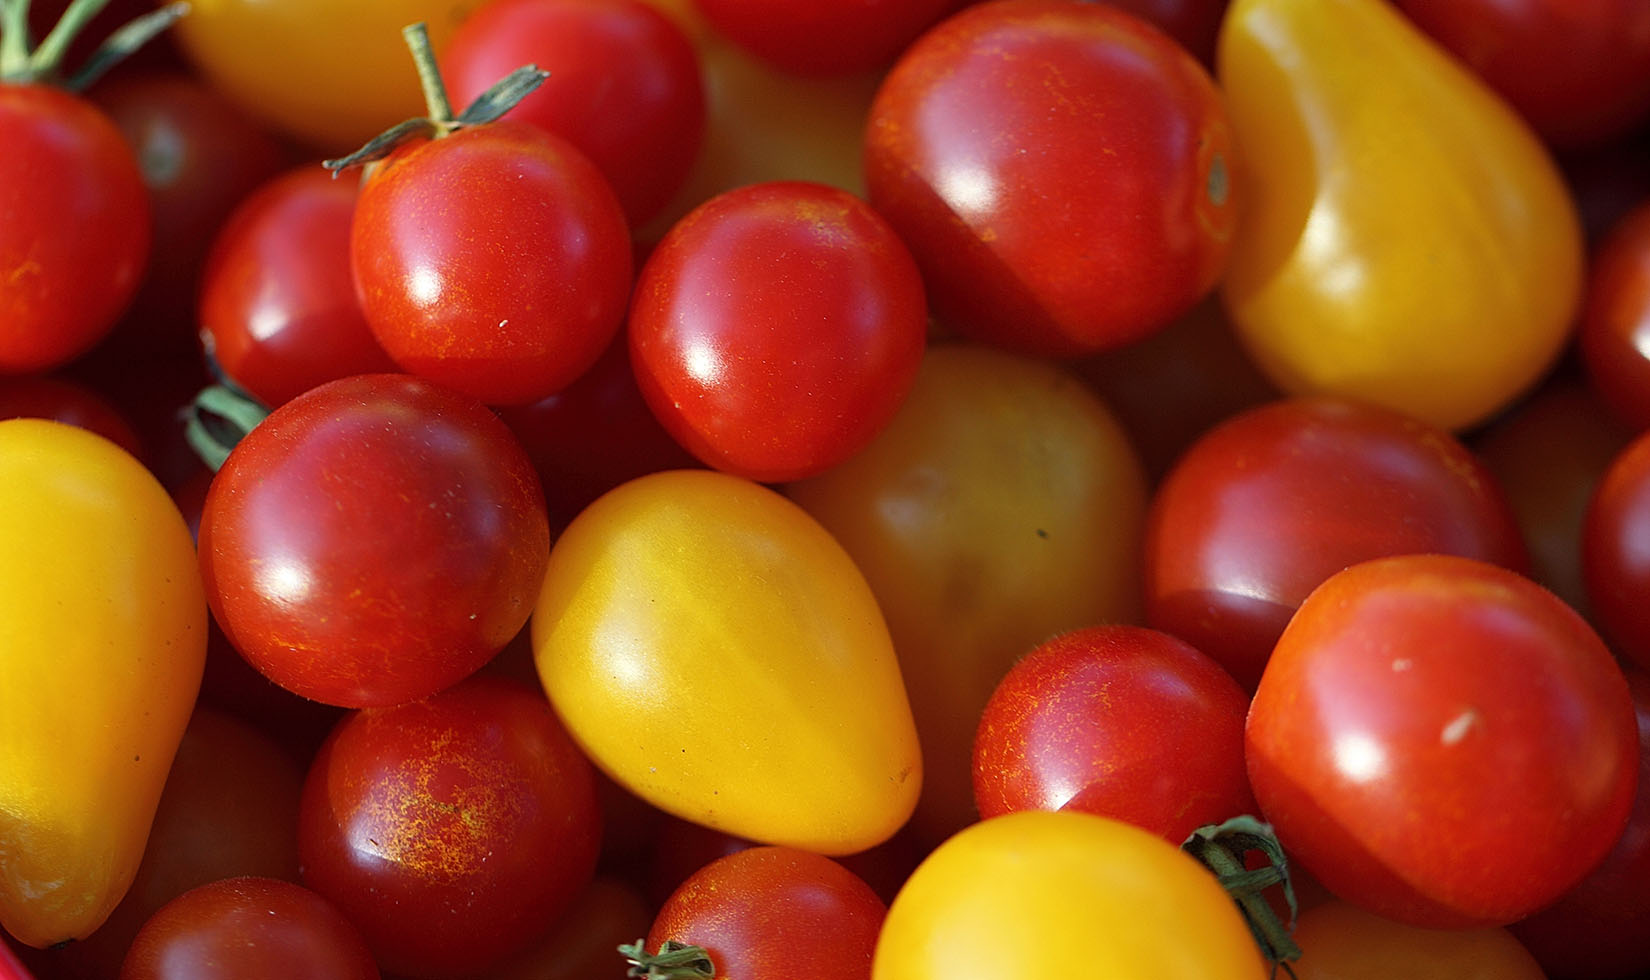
716 652
102 642
1034 895
1002 505
1408 240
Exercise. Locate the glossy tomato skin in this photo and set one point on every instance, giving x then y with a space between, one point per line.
822 39
495 261
1003 898
278 310
1270 503
1118 721
777 328
451 830
641 126
66 170
1579 72
1442 742
760 909
1615 323
374 541
1615 551
252 928
984 128
1343 942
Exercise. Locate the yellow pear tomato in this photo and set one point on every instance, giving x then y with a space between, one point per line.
717 653
1408 240
102 643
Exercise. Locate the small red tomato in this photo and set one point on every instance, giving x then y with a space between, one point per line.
1615 323
1615 552
1442 742
66 401
495 261
452 831
374 540
777 328
248 929
1061 171
761 912
808 37
1117 721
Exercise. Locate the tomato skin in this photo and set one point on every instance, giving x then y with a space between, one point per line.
991 110
65 401
777 328
1004 897
685 611
1615 323
1442 742
1615 551
66 169
758 910
1121 722
1343 942
1271 502
808 38
581 945
447 541
278 310
436 249
641 126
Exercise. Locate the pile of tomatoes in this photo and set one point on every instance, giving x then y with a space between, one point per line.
770 488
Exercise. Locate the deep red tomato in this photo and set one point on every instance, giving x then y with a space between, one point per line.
641 126
812 38
1442 742
249 929
66 401
1194 23
1062 172
374 540
776 329
495 261
278 310
1615 552
452 831
764 912
607 914
1117 721
1615 323
66 171
1578 70
1273 501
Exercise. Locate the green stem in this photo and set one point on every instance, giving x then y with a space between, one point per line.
673 961
1222 848
14 39
49 54
218 420
429 74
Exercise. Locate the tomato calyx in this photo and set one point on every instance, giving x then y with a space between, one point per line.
22 63
1223 848
673 961
499 98
218 419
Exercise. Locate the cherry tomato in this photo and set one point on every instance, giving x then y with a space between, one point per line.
641 126
983 131
761 911
374 540
1117 721
1442 742
1343 942
453 300
777 328
1615 323
66 170
810 38
62 400
278 310
248 928
1615 551
1008 897
607 914
1273 501
716 652
1194 23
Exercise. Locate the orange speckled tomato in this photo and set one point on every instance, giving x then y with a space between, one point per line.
1024 896
1407 239
716 652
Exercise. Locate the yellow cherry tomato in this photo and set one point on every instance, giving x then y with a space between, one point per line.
102 642
1034 895
1408 240
1002 505
716 652
332 73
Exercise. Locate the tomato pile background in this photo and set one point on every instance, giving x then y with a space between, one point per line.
848 486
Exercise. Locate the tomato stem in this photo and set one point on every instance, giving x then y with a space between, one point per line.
14 39
49 55
1222 848
218 419
673 961
429 74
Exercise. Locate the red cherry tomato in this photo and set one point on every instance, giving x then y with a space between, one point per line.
1615 323
1615 552
1194 23
777 328
812 38
1442 742
66 401
641 126
278 310
1062 172
452 831
1117 721
374 540
75 237
495 261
